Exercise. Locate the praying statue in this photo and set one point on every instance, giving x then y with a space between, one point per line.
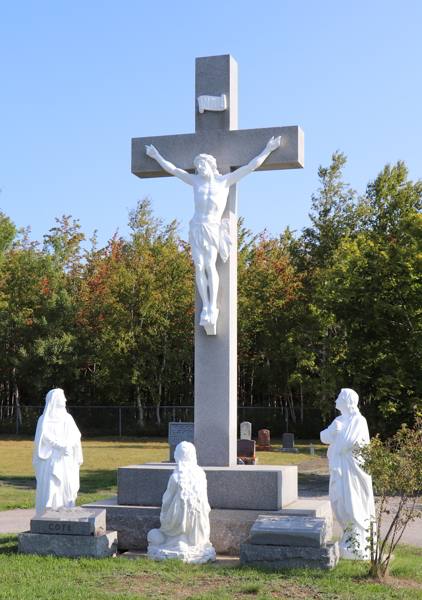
209 234
351 495
184 517
57 456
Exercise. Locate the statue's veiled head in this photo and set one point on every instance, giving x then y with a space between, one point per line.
55 404
347 401
185 452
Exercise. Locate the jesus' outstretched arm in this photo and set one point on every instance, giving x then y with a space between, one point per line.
169 167
256 162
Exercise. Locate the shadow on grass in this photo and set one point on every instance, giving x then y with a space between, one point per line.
95 480
8 544
26 483
313 484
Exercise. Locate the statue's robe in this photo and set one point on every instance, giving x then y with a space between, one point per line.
57 475
351 493
185 508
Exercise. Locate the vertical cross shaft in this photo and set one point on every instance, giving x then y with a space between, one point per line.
216 356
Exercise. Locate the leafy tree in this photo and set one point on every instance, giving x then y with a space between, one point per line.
373 290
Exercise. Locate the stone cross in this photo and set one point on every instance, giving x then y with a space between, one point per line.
216 133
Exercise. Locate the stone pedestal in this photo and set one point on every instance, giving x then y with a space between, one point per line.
284 542
243 487
69 532
229 528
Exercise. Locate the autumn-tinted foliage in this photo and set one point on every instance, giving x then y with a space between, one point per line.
336 306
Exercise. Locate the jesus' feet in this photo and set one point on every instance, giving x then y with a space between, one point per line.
205 317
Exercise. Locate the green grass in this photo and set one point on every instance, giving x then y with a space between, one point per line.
34 577
98 473
102 456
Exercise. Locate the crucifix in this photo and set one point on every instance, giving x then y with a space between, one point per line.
222 155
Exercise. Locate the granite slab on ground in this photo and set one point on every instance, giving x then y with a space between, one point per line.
290 557
71 546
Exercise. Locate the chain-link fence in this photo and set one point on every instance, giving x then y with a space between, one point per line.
304 422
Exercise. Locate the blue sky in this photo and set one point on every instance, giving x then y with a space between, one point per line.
79 79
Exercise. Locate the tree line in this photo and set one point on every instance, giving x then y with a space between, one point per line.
336 306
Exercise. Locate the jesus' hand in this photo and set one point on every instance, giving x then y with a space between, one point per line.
273 143
152 151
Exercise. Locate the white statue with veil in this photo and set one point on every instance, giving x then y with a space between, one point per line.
57 455
351 494
184 517
209 234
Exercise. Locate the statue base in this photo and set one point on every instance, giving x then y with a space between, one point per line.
192 555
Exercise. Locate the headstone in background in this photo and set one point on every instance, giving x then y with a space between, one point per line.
246 452
264 441
70 532
245 431
179 432
283 542
288 443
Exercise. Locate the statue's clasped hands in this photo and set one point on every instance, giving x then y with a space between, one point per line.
337 427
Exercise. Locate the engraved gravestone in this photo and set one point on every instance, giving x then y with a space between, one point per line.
283 542
70 521
69 532
246 430
179 432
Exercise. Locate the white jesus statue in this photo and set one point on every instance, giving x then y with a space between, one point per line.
208 232
351 495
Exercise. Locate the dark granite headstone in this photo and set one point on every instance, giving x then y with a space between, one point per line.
246 448
288 440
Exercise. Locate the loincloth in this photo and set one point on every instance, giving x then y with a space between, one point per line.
204 235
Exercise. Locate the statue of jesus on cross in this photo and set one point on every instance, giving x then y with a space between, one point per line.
208 233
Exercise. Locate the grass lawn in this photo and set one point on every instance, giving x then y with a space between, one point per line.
102 456
34 577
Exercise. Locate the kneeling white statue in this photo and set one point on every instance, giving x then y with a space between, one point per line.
185 525
57 456
351 495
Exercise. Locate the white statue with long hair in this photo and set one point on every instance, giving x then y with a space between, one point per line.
209 235
351 494
57 455
185 525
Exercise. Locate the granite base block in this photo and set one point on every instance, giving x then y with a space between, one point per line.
288 557
241 487
71 546
229 528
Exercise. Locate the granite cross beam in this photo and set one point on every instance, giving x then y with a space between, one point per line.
216 133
